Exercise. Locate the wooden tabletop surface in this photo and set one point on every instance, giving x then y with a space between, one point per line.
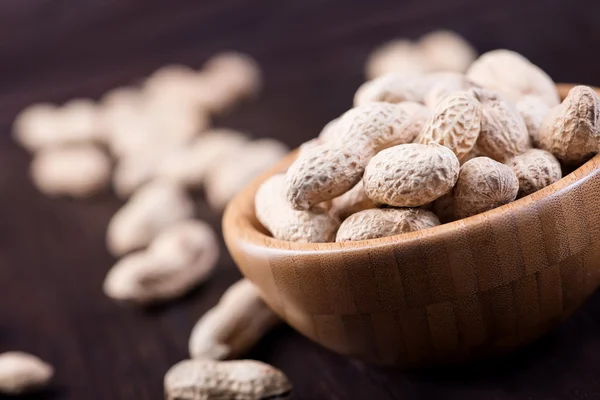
52 254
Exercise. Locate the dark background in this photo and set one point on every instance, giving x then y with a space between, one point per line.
52 255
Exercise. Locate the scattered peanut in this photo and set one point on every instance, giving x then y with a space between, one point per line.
377 222
151 209
353 201
503 132
483 184
37 126
189 165
446 51
513 76
178 259
331 169
535 170
456 124
225 178
285 223
215 380
237 74
233 326
411 175
77 170
533 110
23 373
571 130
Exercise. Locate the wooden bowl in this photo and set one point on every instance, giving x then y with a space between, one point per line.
471 288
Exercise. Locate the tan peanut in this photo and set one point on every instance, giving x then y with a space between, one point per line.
329 131
234 325
37 126
353 201
533 110
503 131
215 380
23 373
411 175
443 208
382 222
456 124
154 207
483 184
333 168
535 170
513 76
77 170
228 176
396 56
571 131
446 51
178 259
285 223
235 75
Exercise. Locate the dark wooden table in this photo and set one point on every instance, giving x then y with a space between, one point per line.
52 254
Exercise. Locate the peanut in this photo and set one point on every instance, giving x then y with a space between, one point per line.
503 132
533 110
333 168
353 201
329 131
236 75
23 373
233 326
443 208
181 257
456 124
214 380
411 175
151 209
443 85
37 126
377 222
513 76
228 176
483 184
77 171
395 56
446 51
189 165
535 169
571 130
285 223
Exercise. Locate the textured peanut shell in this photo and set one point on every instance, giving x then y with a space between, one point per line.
333 168
446 51
23 373
571 130
382 222
535 170
411 175
443 208
240 379
178 259
503 132
285 223
233 326
353 201
456 124
533 110
392 88
483 184
513 76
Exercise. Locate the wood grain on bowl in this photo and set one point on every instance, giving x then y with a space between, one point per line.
456 292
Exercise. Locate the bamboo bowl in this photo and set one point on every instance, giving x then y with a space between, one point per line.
453 293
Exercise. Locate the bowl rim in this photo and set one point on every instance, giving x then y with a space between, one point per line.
233 214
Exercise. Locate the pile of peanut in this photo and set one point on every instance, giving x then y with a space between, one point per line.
423 148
